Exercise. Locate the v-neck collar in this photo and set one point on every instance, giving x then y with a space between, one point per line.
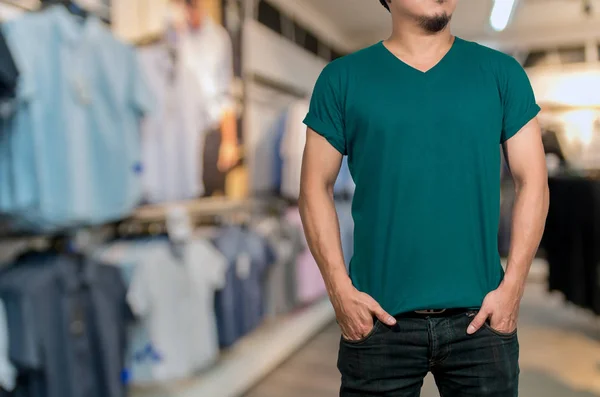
440 63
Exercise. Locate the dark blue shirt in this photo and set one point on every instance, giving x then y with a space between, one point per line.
239 305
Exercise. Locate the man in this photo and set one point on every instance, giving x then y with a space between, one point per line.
421 117
213 63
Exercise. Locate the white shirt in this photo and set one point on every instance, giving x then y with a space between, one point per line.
209 54
175 300
292 149
172 136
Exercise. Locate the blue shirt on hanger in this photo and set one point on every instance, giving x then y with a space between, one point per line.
239 306
74 140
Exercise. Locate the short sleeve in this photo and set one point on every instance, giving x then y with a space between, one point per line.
518 100
138 296
212 263
326 114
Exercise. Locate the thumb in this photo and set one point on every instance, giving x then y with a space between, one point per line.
383 316
477 322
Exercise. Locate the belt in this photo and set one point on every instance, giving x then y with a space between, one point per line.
435 312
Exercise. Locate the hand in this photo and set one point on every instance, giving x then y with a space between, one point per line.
229 155
355 310
501 306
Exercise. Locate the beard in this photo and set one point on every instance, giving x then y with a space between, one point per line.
436 23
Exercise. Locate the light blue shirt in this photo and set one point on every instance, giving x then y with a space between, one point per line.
74 140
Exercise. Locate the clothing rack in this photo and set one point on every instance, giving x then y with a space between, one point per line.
151 220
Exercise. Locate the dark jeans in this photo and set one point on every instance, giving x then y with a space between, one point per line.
392 361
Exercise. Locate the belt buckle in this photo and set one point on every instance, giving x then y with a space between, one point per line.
430 311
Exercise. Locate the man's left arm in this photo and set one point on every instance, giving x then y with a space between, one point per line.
526 160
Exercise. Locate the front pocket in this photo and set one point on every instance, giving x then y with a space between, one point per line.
376 325
500 334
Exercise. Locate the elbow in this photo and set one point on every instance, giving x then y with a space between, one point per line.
312 192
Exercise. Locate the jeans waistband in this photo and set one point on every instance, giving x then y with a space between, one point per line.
435 312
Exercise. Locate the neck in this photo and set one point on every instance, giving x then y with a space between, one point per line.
199 21
409 37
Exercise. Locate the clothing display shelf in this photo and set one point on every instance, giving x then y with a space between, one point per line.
206 210
151 220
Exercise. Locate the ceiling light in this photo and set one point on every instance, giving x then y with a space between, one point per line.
501 13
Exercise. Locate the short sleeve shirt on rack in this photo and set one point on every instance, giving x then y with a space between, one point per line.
91 83
174 297
280 282
240 305
423 150
66 311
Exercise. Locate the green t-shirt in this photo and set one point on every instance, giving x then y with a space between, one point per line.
424 152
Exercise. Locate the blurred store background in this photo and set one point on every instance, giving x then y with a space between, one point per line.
150 155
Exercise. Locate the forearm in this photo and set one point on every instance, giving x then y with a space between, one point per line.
321 226
529 217
229 128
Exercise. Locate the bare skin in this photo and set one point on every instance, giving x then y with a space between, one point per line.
526 159
354 309
320 167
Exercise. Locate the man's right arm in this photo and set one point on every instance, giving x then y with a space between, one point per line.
320 167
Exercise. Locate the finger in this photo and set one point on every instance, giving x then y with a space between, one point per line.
478 321
351 333
382 315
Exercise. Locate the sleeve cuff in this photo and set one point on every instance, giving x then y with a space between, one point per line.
216 110
514 128
326 131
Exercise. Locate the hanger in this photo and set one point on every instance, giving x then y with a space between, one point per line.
70 5
150 40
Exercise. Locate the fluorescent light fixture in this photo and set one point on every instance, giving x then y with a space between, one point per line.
501 13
